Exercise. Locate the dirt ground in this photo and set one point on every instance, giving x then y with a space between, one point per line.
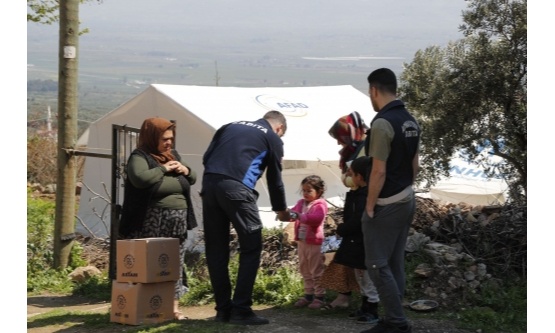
284 321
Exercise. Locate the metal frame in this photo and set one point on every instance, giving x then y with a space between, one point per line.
122 137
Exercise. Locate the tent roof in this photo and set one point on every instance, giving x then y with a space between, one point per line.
200 110
310 111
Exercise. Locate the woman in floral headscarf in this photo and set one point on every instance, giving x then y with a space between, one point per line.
157 196
350 131
341 275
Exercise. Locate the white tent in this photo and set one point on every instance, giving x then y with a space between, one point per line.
468 183
199 111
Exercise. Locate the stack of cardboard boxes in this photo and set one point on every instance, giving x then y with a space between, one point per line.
143 292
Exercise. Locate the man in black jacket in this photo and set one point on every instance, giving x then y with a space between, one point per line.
236 158
391 204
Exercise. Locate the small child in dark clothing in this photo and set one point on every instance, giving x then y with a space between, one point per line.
351 250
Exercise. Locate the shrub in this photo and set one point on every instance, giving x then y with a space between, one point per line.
282 286
40 230
40 257
200 292
272 286
41 157
42 166
96 287
498 308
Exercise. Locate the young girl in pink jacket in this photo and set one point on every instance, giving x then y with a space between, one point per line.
309 215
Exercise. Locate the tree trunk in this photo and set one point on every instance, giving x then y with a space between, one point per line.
64 228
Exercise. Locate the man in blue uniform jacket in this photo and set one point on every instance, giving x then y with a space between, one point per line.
236 158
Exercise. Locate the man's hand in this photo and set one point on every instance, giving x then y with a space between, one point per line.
283 215
369 210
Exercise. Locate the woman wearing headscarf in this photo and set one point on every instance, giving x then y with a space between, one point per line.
157 195
350 131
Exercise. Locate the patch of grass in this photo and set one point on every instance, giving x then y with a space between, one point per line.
75 321
282 286
199 281
70 319
272 286
95 288
498 308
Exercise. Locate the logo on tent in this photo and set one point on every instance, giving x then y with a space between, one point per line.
286 107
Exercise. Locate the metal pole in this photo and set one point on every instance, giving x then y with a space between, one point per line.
114 217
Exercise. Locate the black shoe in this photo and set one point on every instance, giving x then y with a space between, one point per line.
355 315
405 329
368 318
247 318
222 316
381 327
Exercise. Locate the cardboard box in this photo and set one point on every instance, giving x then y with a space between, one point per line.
147 260
142 303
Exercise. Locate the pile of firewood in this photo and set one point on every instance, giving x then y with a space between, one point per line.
494 235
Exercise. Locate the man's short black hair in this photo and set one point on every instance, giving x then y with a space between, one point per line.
384 80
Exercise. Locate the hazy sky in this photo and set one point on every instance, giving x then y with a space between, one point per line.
308 25
301 18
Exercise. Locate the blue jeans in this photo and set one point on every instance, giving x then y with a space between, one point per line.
385 237
226 201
